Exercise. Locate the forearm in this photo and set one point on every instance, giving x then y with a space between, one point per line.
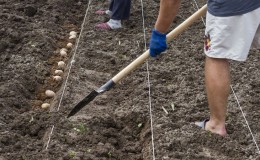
167 13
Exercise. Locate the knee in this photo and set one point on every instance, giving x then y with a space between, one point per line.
221 61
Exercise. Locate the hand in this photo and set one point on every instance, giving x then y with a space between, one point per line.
157 43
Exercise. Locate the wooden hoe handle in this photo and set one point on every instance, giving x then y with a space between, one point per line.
140 60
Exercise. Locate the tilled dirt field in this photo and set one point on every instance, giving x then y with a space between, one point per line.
117 124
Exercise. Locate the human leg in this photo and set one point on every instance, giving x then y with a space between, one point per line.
121 9
217 79
223 41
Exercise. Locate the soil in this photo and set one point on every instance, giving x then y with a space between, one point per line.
116 124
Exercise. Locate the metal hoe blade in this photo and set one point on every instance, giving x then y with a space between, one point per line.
82 103
91 96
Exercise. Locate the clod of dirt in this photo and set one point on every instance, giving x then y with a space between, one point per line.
30 11
2 158
3 45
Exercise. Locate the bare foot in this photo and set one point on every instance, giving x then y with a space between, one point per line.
217 129
212 127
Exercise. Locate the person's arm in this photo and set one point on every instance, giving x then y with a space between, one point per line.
167 13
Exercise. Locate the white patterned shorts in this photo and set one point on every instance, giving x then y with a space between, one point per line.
232 37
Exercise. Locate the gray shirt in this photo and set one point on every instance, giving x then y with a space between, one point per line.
224 8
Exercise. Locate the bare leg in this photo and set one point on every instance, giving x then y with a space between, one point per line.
217 78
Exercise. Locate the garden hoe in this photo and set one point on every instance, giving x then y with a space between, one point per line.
140 60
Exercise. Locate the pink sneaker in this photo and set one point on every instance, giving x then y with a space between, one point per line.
103 26
104 12
101 12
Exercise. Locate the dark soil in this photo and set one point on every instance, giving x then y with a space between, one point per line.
117 124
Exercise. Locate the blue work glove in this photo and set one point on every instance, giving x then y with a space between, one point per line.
157 43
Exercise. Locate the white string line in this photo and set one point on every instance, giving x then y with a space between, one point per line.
245 119
75 51
49 139
71 63
237 100
148 83
148 80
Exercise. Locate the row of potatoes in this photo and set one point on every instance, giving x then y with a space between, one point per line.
61 66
